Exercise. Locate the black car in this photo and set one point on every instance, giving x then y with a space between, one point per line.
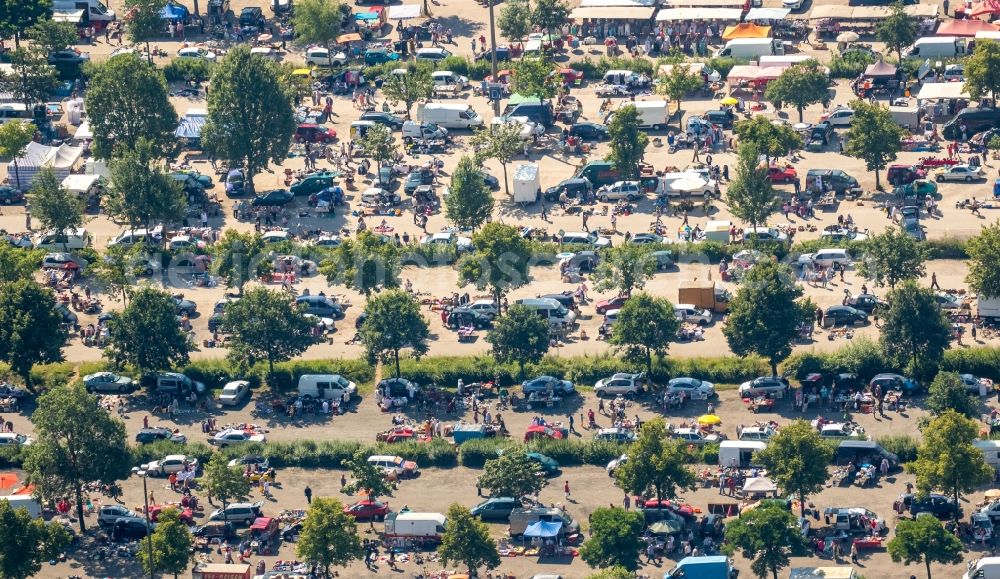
416 179
129 528
492 182
574 187
463 317
843 316
388 119
147 435
723 118
940 506
10 195
252 17
589 131
273 198
503 53
215 322
398 387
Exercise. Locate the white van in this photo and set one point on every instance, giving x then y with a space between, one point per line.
360 128
826 257
72 239
985 568
936 47
652 114
990 450
95 10
751 48
326 386
447 78
131 237
739 453
550 309
26 502
448 115
394 465
420 131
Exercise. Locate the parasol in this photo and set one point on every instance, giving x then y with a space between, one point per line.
848 37
688 184
729 101
709 420
263 38
666 527
350 37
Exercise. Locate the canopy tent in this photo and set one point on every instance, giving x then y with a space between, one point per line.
613 13
37 156
543 530
83 132
869 12
745 72
986 7
404 12
349 37
880 69
670 14
942 90
768 14
79 184
173 11
191 124
759 484
746 30
964 27
71 16
624 3
703 4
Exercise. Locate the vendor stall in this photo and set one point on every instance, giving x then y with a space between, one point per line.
404 12
36 157
766 14
942 90
746 30
966 28
640 13
679 14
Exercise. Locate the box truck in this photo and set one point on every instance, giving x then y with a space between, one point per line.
709 567
652 114
420 527
987 307
449 116
985 568
739 453
26 502
751 48
936 47
527 183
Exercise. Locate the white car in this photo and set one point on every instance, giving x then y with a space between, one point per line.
947 301
432 54
953 73
792 4
765 234
623 384
616 435
627 190
841 430
276 236
485 307
234 392
692 388
959 173
169 464
839 117
196 52
108 382
615 463
185 242
758 433
14 439
447 238
320 56
691 314
764 385
328 241
585 238
694 436
233 436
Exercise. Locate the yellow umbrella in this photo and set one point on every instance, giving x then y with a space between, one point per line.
993 494
729 101
709 420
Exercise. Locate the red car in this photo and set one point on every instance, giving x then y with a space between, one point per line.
615 303
684 510
186 514
570 76
537 431
308 133
367 509
782 174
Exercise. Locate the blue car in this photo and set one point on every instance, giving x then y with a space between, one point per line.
548 384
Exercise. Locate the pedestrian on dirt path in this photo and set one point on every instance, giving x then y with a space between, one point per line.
309 495
566 489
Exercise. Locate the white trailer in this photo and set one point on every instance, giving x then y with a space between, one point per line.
987 307
27 502
527 183
422 527
739 453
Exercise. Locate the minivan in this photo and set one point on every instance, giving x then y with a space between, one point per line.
72 239
537 111
394 464
833 180
451 116
422 131
936 47
826 257
320 306
975 119
326 386
551 310
495 508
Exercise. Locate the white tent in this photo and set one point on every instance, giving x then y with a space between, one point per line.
83 132
613 13
767 14
592 3
404 12
759 484
36 157
79 184
942 90
698 14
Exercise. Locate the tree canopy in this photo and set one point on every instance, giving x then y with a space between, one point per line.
223 482
16 263
30 331
646 325
317 22
394 322
751 195
532 77
265 326
151 313
768 536
948 392
550 15
624 268
875 137
897 30
467 541
796 459
140 192
52 204
500 262
409 88
367 263
891 257
379 144
172 545
144 21
656 464
984 253
469 202
512 474
982 70
614 538
48 36
239 257
947 460
30 79
329 536
627 142
915 332
367 477
17 16
679 83
514 20
800 85
925 540
500 142
26 543
14 139
771 140
520 335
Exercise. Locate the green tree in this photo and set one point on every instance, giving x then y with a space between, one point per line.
54 207
394 322
329 536
127 100
469 202
948 392
48 36
679 83
239 257
768 536
982 70
144 22
467 541
874 137
627 142
751 195
800 85
366 477
521 336
118 268
614 538
14 139
947 460
983 251
925 540
915 332
763 315
409 88
624 268
796 459
367 263
250 118
769 139
646 325
501 142
30 79
26 543
515 20
550 15
897 30
892 257
317 22
224 482
172 545
17 16
151 313
613 573
18 264
533 78
512 474
500 262
379 144
140 192
656 464
77 443
265 326
30 330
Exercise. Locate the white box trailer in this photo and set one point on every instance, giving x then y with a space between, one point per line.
27 502
987 307
739 453
415 526
652 114
527 183
906 116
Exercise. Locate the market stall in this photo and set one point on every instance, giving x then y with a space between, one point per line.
36 157
942 90
640 13
746 30
681 14
967 28
404 12
766 14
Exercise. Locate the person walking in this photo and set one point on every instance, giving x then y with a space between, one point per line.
566 489
309 495
934 281
571 429
627 502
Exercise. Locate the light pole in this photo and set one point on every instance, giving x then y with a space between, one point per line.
493 56
149 524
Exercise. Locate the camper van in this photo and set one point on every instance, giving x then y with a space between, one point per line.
93 10
71 240
652 114
936 47
739 453
551 310
326 386
421 527
449 116
751 48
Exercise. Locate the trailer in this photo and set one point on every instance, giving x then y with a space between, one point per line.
527 183
222 571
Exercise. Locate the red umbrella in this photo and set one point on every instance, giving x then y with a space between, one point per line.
985 7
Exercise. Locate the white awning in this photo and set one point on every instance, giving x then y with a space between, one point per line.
83 132
703 4
699 14
869 12
767 14
942 90
404 12
72 16
829 11
79 183
598 3
613 13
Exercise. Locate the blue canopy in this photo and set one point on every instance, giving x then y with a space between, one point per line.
190 127
173 11
543 530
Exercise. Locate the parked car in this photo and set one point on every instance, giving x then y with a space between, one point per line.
170 464
108 514
972 383
548 465
764 385
623 384
692 388
320 306
320 56
616 435
615 303
11 439
235 437
388 119
311 133
496 508
627 190
68 56
9 195
234 393
367 510
108 382
694 436
589 131
839 117
252 17
938 505
782 174
964 173
147 435
947 301
844 316
546 384
273 198
238 513
433 54
615 463
312 183
765 234
260 462
130 528
894 382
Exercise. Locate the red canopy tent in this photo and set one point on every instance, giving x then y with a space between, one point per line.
986 7
964 27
